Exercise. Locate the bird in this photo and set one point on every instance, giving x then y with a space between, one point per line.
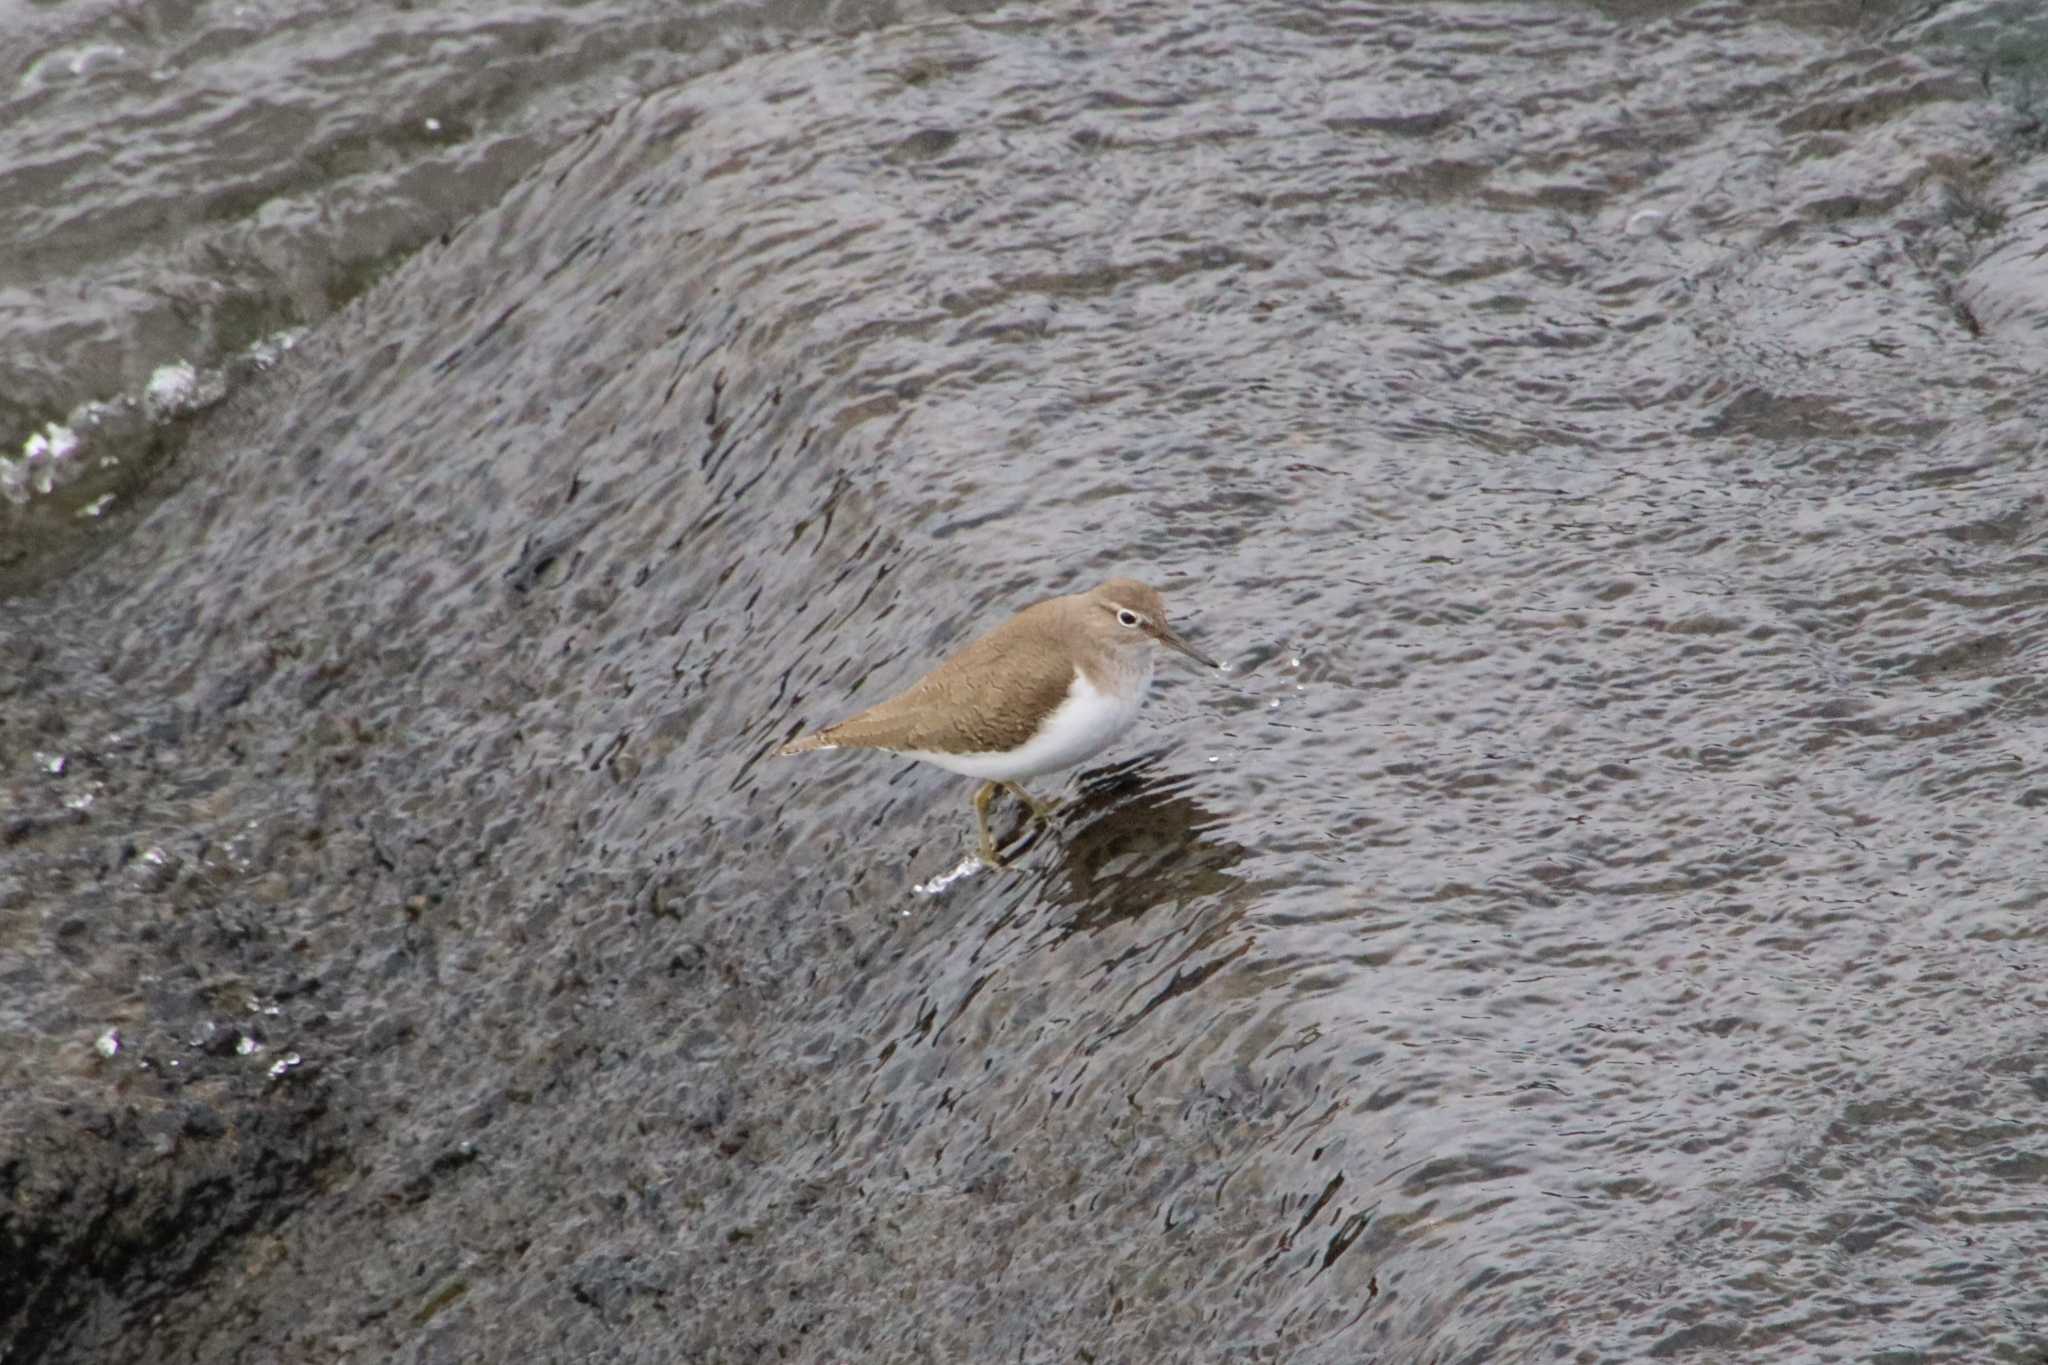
1055 684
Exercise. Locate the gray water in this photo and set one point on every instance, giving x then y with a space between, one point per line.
1595 918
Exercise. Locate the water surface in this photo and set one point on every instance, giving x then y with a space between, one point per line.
1597 917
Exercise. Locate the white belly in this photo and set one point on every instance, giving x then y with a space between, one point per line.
1086 723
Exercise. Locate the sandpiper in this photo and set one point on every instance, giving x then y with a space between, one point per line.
1053 685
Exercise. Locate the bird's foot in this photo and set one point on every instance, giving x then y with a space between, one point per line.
982 797
1041 811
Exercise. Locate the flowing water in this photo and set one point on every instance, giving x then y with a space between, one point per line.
1597 915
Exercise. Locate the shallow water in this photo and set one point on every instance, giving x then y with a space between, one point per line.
1596 917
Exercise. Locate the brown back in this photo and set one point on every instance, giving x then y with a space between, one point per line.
989 696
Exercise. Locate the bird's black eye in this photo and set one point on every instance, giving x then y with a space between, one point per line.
1127 617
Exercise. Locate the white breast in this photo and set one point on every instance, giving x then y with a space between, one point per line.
1086 723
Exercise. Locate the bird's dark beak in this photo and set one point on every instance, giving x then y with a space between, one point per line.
1165 635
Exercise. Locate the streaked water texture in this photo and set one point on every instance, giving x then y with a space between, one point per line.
1597 918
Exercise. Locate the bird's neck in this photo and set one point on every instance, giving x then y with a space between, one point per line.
1121 673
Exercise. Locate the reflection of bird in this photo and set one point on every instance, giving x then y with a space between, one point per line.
1055 684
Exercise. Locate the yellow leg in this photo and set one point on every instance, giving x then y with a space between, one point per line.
1041 811
988 840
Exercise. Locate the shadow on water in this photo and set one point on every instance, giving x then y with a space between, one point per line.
1130 902
1134 840
1611 932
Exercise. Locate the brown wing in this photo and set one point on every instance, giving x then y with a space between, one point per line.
988 696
